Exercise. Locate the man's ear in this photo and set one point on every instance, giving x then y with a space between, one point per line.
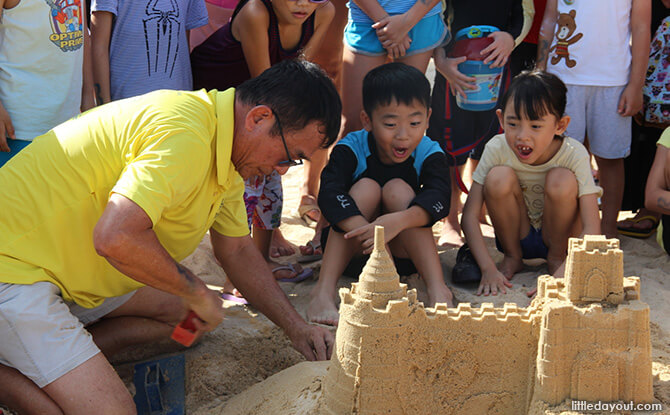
562 124
257 116
366 121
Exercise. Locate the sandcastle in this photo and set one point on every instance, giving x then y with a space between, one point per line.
585 337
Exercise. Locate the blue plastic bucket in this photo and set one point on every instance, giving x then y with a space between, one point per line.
487 79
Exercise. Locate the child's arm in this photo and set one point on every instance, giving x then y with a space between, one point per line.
251 29
322 18
101 32
589 214
504 40
6 129
492 279
87 90
448 67
546 35
392 30
630 102
657 192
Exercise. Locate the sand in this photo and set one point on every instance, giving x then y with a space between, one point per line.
247 348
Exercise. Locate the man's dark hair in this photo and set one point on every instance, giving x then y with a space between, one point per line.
394 81
299 92
536 93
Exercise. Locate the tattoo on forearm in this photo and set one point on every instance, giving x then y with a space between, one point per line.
663 203
186 274
98 95
542 52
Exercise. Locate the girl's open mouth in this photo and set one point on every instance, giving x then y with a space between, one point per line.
299 15
524 151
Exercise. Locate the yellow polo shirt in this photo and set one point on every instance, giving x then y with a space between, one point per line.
168 151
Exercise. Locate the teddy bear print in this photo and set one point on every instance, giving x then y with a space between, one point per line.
566 28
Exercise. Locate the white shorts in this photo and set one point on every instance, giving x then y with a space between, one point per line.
41 335
593 112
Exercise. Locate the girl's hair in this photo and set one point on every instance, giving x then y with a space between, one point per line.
536 93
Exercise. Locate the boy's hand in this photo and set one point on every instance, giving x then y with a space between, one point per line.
458 82
630 102
366 234
492 282
499 50
6 129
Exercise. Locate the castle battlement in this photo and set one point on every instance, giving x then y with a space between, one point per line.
583 337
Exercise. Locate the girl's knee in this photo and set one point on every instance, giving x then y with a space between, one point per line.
500 181
397 195
560 183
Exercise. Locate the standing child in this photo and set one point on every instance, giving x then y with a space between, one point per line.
463 133
600 49
45 73
262 33
536 183
388 174
139 47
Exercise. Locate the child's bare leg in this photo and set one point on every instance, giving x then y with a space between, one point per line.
279 246
263 239
611 180
338 253
417 244
503 197
419 60
354 68
560 218
451 228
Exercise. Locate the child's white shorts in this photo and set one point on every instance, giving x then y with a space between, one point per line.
593 112
41 335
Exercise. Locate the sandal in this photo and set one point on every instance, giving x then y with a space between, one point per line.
316 246
640 233
466 269
302 276
304 210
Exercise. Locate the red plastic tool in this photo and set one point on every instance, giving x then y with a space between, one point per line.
185 332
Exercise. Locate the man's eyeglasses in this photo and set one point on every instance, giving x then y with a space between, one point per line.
289 161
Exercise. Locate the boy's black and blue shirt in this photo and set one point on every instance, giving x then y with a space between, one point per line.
355 156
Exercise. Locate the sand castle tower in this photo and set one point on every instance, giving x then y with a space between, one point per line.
374 312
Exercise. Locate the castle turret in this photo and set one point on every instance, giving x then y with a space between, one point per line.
363 377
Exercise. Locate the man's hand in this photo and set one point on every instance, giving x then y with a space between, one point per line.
6 128
630 102
498 52
206 304
314 342
492 282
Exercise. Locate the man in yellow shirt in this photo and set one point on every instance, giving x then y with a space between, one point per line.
98 212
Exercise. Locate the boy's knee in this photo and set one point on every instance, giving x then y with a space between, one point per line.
397 195
366 192
500 181
560 183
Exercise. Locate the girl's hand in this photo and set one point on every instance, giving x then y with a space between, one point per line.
492 282
499 50
458 82
630 102
392 30
398 51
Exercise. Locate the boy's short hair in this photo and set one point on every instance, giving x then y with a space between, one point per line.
536 93
299 92
394 81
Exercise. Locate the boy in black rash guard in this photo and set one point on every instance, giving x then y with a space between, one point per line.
387 174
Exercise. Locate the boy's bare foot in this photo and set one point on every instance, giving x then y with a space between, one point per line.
322 309
510 266
439 294
451 234
280 246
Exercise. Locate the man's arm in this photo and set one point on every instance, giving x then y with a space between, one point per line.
101 33
249 272
124 236
546 35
